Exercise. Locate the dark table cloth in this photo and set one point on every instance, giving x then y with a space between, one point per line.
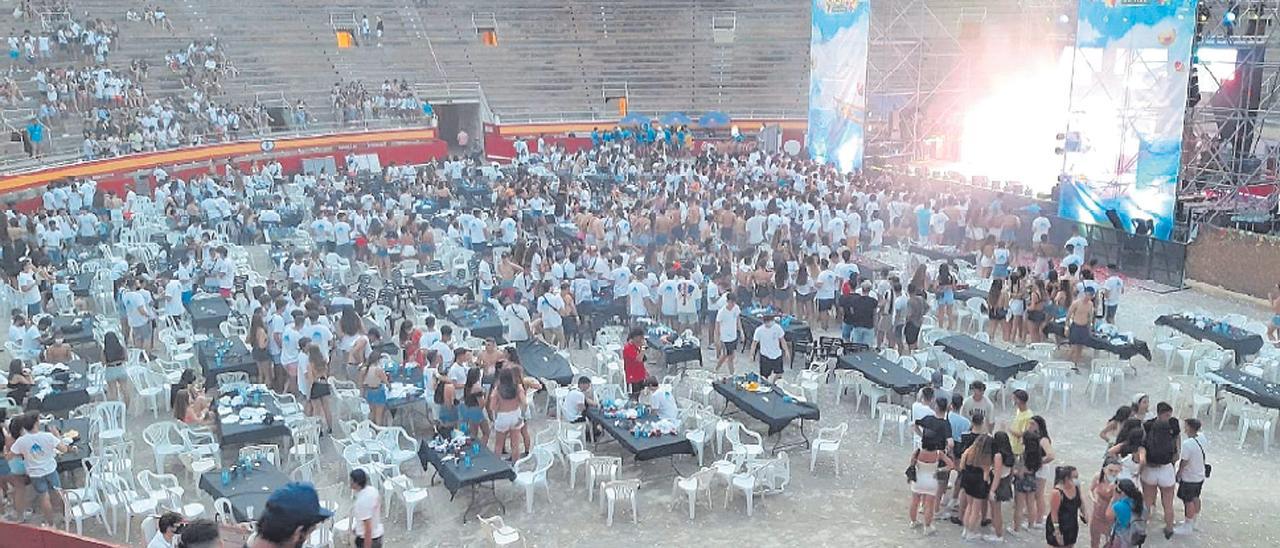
642 448
767 407
882 372
484 467
1096 341
481 319
236 357
675 354
79 449
82 283
868 266
603 307
541 361
208 313
1244 343
244 492
1258 390
438 285
240 434
68 392
74 330
1000 364
565 233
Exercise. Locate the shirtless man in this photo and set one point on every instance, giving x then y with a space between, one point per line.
1080 324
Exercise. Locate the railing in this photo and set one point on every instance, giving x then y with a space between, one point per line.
70 155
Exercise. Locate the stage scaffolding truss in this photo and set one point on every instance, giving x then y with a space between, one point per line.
1232 133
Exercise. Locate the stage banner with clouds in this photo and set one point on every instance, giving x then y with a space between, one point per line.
838 81
1123 143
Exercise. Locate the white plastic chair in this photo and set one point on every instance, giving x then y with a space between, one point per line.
873 394
401 447
828 441
500 533
409 494
741 452
81 504
165 439
601 469
108 422
1232 405
893 413
619 491
535 474
705 428
223 512
692 486
118 494
849 378
1058 379
1255 417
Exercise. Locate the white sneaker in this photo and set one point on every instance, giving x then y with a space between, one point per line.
930 531
1183 529
993 538
915 525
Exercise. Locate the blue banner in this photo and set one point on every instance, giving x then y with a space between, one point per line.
1123 143
838 82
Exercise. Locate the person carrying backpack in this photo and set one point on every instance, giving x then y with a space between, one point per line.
1158 474
1129 517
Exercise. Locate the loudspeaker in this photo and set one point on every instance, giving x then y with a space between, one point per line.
1115 220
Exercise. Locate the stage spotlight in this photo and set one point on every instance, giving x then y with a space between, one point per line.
1202 13
1064 18
1229 18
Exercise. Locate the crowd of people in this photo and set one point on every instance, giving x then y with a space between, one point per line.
353 101
689 236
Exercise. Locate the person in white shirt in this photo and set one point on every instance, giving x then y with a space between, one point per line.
290 352
1192 471
637 294
576 402
39 451
366 512
173 306
1112 289
444 347
730 330
770 346
166 530
660 399
828 286
29 287
550 308
1039 227
517 320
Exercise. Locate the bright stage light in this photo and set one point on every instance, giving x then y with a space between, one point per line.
1010 133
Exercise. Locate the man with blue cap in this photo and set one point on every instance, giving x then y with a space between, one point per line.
292 512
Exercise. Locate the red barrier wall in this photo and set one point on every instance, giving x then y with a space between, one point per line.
27 536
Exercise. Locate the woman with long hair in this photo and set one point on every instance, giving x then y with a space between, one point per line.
353 343
1124 510
975 483
446 405
259 339
945 289
806 285
1046 471
317 404
1035 316
1066 508
996 301
1130 449
1102 492
473 404
373 380
114 357
1111 431
506 406
924 486
1016 306
16 476
1002 465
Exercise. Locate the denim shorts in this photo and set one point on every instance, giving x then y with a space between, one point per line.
46 483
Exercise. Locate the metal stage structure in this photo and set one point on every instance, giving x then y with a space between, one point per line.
921 60
1232 134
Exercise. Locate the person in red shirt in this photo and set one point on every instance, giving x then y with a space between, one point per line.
633 361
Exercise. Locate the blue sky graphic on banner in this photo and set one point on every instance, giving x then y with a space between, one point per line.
1128 100
838 81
